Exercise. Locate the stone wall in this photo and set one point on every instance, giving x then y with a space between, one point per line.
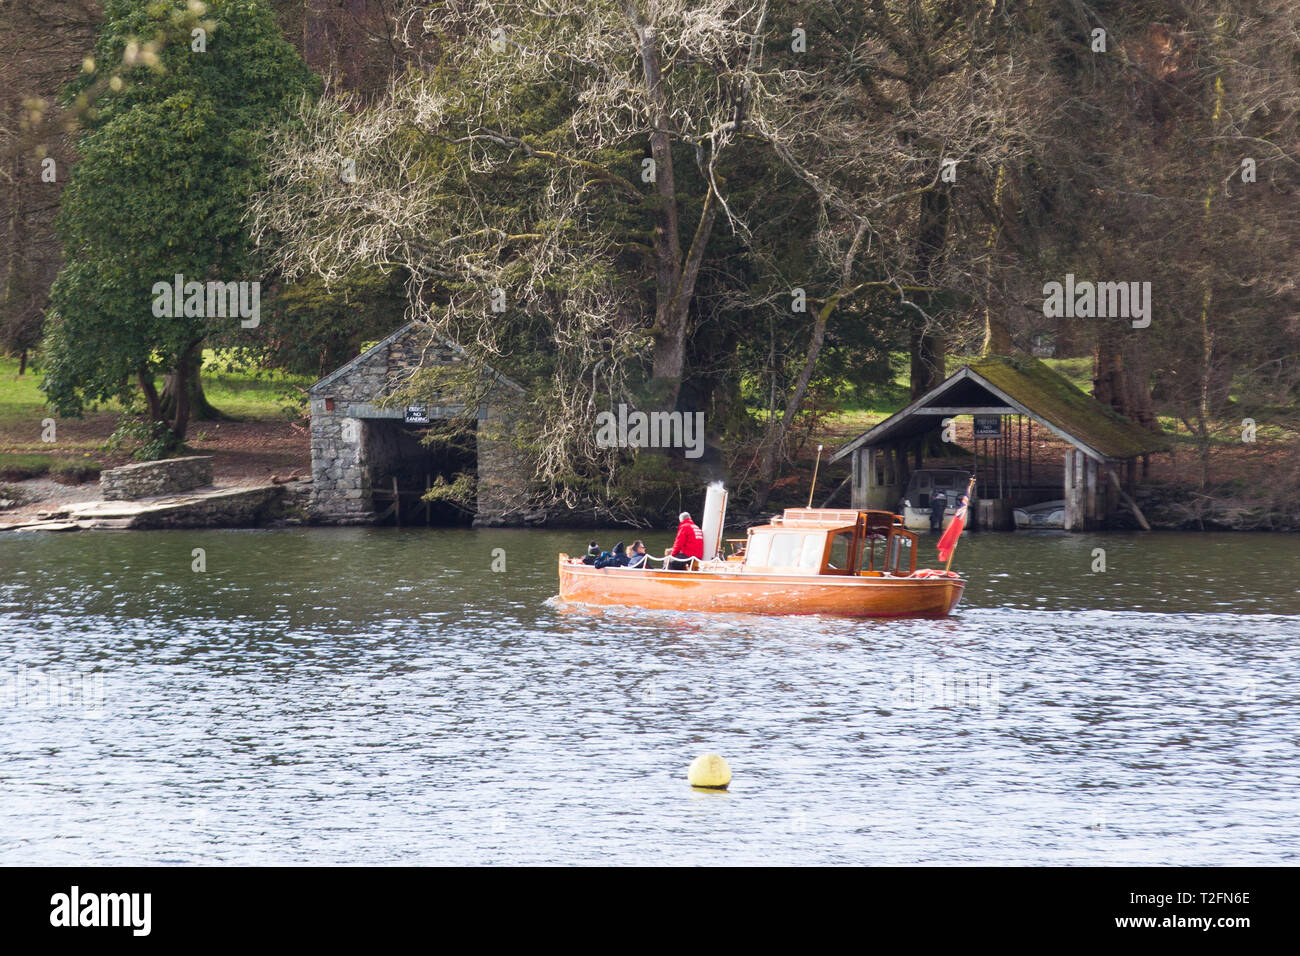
228 508
337 471
151 478
503 471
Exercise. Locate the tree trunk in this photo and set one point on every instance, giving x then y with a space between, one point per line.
929 360
775 442
319 37
175 404
675 277
1137 373
1109 384
1121 378
929 347
200 408
180 411
670 322
997 330
997 334
150 395
15 303
1203 404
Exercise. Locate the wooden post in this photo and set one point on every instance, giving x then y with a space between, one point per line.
1030 479
855 479
1004 440
397 502
1091 510
1020 451
868 479
1080 492
1071 516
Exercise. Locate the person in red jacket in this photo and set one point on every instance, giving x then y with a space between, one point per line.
688 544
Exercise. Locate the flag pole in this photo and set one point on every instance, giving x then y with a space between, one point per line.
970 490
814 483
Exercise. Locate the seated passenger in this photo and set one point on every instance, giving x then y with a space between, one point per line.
637 557
618 559
593 553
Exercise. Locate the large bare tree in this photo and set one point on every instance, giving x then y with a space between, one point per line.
561 153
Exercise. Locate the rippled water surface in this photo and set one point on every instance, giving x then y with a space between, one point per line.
382 696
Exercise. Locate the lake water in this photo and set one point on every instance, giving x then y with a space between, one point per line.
378 696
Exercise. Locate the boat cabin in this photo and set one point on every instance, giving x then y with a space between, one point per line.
831 541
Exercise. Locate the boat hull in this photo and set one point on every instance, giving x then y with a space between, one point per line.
736 592
918 519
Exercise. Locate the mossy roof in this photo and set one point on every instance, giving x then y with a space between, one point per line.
1028 387
1055 399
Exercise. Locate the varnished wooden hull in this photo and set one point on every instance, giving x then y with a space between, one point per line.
754 593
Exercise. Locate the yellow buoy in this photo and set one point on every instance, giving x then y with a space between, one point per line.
709 771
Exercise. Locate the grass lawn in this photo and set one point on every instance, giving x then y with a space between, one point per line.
263 404
21 400
250 394
242 392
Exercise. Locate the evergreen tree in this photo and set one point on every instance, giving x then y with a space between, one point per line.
168 161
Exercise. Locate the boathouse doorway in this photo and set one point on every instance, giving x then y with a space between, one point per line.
405 461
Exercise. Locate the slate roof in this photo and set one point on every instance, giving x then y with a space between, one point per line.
347 367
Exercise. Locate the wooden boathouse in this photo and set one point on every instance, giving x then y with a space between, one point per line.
1013 403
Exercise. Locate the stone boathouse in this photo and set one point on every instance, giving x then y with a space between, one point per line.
368 463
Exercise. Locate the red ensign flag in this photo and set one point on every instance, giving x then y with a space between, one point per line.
949 539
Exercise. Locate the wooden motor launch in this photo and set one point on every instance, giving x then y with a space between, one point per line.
805 561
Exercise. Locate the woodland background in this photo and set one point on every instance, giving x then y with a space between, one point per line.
799 152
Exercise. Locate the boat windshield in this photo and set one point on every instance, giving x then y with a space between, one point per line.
786 550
